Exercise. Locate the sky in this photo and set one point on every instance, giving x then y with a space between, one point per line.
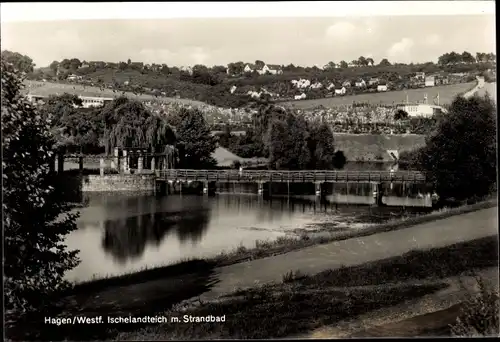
302 41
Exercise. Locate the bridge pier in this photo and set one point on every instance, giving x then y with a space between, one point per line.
378 193
140 164
60 163
101 167
205 188
153 163
80 163
260 188
115 163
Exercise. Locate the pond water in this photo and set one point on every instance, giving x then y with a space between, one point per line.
120 233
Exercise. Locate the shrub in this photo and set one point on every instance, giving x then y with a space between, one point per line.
480 314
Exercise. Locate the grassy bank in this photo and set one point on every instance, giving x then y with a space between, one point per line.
300 304
269 248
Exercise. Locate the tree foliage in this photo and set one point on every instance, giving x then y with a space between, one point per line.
194 140
128 123
34 217
460 156
21 62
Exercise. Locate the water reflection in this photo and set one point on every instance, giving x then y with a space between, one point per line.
119 233
126 238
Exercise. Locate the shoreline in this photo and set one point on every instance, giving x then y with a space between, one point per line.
264 249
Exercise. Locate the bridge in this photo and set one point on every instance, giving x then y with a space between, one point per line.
306 176
168 178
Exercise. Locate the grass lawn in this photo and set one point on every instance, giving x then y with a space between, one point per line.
446 95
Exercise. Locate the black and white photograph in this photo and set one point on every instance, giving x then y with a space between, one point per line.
249 170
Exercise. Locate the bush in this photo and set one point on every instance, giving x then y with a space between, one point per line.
480 314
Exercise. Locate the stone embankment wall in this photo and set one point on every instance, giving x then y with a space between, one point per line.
95 183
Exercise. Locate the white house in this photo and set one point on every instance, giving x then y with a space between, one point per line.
187 69
300 97
422 110
430 81
340 90
273 69
88 102
373 81
317 85
302 83
382 87
250 68
346 84
74 77
233 89
360 83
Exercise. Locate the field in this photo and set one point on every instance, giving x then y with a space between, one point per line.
370 147
489 88
49 88
446 95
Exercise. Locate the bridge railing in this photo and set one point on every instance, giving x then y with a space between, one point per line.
291 176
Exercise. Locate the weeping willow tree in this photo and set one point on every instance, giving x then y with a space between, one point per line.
129 123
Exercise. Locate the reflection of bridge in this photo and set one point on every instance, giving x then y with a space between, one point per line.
319 177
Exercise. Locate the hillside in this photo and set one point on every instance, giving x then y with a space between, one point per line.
371 147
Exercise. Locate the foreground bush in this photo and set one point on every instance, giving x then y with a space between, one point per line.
480 315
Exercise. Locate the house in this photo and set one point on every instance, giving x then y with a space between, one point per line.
233 89
346 84
300 97
340 90
382 87
83 66
373 81
250 68
422 110
74 77
330 86
360 83
88 102
430 81
302 83
420 76
273 69
187 69
316 85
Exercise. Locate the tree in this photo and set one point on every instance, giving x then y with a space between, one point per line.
35 218
322 147
384 62
287 143
343 64
54 66
128 123
259 64
65 63
20 62
329 66
195 141
362 61
400 115
129 61
370 61
466 167
467 57
75 63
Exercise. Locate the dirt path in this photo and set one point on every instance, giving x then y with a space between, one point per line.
356 251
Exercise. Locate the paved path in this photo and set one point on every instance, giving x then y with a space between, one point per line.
355 251
480 85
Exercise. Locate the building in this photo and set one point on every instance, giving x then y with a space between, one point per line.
373 81
382 87
430 81
422 110
346 84
273 69
340 90
88 101
250 68
74 77
360 83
